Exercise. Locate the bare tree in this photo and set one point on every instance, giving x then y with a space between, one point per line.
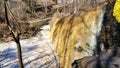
15 34
56 1
65 2
31 4
45 4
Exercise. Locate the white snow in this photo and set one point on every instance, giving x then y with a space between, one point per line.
37 52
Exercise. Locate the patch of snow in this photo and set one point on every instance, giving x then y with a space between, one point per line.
37 52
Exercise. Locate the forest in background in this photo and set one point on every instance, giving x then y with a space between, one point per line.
25 12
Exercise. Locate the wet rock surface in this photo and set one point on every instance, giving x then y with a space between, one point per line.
110 59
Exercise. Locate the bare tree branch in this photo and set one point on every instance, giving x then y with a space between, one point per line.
15 35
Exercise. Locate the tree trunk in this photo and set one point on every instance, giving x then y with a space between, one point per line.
55 1
15 36
109 30
19 53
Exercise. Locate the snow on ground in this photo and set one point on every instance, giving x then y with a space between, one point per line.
37 52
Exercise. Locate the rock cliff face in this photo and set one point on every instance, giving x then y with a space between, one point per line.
110 59
110 36
74 36
110 31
